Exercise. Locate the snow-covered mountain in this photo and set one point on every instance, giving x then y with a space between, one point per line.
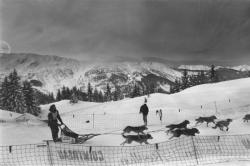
194 67
241 68
49 73
206 68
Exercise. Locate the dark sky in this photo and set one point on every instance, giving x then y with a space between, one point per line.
179 30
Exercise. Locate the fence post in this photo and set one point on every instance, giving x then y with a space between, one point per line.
195 151
93 120
49 154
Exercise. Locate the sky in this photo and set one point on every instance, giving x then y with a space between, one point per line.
198 31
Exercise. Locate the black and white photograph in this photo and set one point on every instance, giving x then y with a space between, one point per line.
124 82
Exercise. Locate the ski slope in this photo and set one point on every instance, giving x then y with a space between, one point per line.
230 99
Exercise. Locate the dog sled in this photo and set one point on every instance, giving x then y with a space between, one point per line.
69 136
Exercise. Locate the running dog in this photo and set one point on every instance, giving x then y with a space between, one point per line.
177 126
138 129
209 119
223 123
246 117
186 132
137 138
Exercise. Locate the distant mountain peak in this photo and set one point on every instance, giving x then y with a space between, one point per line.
195 67
241 68
53 72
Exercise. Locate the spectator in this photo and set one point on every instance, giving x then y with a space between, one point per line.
160 114
144 111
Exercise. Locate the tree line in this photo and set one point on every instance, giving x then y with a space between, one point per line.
107 94
17 96
187 80
20 97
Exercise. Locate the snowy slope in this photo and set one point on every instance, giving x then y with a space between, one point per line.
66 107
231 99
8 116
112 117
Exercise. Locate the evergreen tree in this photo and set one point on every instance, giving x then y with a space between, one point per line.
16 97
171 89
108 93
116 93
119 93
136 91
100 97
184 83
152 88
4 94
147 89
73 98
96 95
202 78
58 96
177 86
90 92
29 97
143 89
83 96
193 80
63 93
68 93
44 98
77 93
51 97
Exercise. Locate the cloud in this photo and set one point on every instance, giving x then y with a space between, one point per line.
111 29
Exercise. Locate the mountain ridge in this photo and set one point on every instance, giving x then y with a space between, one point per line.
50 73
55 72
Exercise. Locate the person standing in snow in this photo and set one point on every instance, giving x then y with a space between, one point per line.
144 111
52 122
160 114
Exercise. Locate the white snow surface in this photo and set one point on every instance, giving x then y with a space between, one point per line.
116 115
230 99
8 116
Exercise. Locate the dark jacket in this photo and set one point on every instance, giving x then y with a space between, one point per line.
144 109
52 119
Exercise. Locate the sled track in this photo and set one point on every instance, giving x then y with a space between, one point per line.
184 151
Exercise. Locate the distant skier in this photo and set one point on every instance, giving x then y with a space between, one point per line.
160 114
144 111
52 122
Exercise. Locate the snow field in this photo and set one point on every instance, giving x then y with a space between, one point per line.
225 100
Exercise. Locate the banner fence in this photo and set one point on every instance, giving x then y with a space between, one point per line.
184 151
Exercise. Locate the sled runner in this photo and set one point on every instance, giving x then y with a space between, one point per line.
70 136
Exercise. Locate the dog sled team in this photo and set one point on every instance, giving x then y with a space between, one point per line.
141 137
